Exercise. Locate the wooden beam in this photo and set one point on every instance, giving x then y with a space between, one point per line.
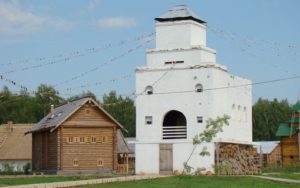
127 168
89 123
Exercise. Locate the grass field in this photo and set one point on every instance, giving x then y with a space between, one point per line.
197 182
170 182
33 180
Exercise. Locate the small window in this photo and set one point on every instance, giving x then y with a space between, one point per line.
87 139
148 120
104 139
69 139
199 119
76 139
75 162
173 62
81 139
87 111
149 90
100 162
199 88
93 139
100 139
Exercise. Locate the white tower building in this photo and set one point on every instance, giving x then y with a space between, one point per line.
179 89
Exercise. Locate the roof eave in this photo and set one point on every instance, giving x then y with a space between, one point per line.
179 19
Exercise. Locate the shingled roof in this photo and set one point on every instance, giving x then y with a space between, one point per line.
63 112
14 145
179 12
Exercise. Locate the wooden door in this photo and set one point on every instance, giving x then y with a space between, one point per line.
165 158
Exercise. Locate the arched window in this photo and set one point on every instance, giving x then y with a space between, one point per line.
174 125
149 90
199 88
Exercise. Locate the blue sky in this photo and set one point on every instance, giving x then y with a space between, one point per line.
95 45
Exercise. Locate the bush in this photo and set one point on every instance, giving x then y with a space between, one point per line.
27 168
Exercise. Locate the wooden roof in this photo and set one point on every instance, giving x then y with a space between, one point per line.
122 146
14 145
63 112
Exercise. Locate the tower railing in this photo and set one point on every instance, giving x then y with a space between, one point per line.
174 132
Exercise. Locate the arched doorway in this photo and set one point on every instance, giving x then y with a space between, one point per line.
174 125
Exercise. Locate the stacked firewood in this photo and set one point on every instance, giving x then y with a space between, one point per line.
237 159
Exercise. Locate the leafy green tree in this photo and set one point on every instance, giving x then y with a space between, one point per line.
83 94
212 128
267 115
45 97
122 109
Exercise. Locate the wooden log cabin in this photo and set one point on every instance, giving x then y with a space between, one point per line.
76 137
289 138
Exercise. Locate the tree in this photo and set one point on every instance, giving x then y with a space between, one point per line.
212 128
45 97
267 115
122 109
83 94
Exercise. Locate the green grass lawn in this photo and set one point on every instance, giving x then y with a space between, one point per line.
293 176
175 181
197 182
34 180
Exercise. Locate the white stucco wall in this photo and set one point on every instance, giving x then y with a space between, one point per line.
197 55
147 158
192 33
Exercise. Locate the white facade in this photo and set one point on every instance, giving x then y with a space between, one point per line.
179 62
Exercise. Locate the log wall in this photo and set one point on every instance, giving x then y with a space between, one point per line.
290 150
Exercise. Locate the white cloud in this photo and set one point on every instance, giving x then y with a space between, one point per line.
14 20
62 24
117 22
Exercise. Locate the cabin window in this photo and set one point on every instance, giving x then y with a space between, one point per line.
198 88
87 139
76 139
93 139
199 119
173 62
100 162
104 139
69 139
87 111
75 162
81 139
148 120
99 139
149 90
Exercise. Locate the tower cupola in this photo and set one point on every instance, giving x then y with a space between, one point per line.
179 27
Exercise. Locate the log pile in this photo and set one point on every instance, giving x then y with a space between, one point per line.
237 159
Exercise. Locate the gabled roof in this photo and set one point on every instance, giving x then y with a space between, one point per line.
14 145
63 112
122 146
284 129
177 13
